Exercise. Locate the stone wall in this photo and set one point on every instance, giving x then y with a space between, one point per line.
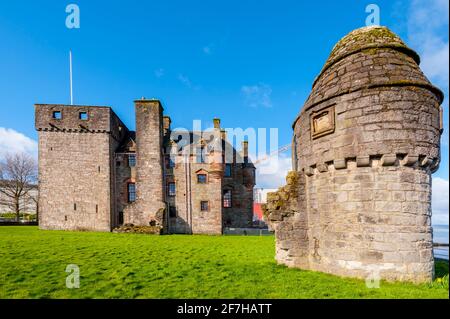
149 206
75 160
365 145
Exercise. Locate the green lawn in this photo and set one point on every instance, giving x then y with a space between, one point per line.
33 263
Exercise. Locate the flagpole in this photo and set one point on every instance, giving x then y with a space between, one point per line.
71 80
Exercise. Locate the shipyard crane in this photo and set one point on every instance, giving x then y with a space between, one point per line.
282 149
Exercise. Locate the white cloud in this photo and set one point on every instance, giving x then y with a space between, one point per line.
12 141
187 82
440 206
427 27
272 172
257 95
207 50
159 72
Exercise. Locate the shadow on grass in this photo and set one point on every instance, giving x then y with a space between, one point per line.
441 268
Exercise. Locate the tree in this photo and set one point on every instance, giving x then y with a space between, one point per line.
18 176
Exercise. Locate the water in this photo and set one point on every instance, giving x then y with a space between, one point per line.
440 235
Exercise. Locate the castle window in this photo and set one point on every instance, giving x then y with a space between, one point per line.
201 155
57 115
204 206
227 198
171 189
170 163
172 211
132 160
202 178
131 192
83 116
120 218
227 170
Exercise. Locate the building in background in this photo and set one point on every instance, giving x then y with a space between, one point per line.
260 198
95 174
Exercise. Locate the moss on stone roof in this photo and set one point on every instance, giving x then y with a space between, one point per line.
367 39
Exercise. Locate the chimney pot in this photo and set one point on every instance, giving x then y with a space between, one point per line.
216 123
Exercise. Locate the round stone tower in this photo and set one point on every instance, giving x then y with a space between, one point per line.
365 145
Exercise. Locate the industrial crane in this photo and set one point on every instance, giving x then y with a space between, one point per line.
283 149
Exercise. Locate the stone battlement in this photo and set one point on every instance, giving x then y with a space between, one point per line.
79 119
365 144
413 161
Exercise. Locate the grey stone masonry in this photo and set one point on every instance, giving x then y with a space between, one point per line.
76 188
367 141
149 208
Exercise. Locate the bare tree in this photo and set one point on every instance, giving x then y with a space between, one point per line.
18 176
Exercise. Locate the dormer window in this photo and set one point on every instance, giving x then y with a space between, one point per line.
202 178
83 116
57 115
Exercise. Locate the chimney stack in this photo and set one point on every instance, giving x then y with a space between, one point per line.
166 124
245 151
223 135
216 123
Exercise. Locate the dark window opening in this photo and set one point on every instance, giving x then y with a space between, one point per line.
132 160
65 218
227 170
131 192
201 155
204 206
74 206
118 163
120 218
57 115
171 162
96 208
171 189
202 178
172 211
227 199
83 116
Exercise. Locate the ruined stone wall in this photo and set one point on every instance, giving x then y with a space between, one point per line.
241 182
149 206
75 161
366 143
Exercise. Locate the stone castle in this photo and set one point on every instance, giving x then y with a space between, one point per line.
95 174
366 142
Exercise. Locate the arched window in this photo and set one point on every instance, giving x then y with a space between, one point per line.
227 198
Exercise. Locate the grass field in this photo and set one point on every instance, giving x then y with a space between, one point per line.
33 263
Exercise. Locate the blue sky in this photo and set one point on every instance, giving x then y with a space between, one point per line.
251 63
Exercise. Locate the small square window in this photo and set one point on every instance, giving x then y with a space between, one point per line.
57 115
204 206
202 178
84 116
